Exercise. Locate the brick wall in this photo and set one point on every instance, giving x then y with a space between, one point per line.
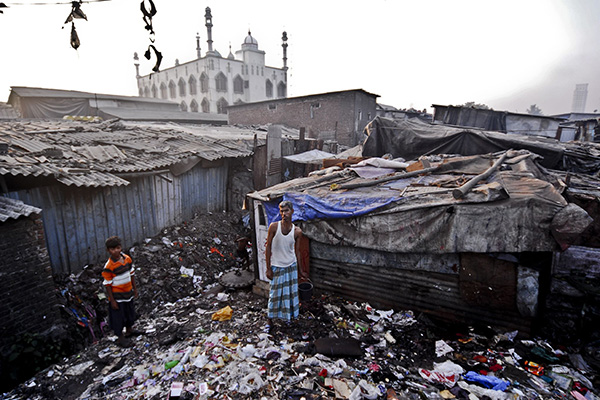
28 296
327 116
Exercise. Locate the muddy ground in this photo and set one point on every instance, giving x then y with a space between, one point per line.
337 349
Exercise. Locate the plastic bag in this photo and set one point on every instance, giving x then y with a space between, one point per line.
223 314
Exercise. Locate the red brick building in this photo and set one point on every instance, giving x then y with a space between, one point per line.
340 116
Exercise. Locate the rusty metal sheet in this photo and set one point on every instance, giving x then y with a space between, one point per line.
488 281
435 294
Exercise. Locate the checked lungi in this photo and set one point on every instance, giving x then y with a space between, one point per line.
283 295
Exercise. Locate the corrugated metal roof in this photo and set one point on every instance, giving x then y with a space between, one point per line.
11 208
89 154
92 179
101 153
132 114
31 145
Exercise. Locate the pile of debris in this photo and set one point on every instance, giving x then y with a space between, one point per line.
213 346
202 340
181 261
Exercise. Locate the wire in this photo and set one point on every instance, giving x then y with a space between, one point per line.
52 4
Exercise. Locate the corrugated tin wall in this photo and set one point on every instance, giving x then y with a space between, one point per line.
424 283
77 221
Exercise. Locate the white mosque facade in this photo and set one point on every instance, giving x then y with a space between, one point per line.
211 82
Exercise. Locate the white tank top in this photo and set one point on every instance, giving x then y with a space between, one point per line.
282 248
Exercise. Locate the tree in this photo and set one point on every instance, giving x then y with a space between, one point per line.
534 110
479 106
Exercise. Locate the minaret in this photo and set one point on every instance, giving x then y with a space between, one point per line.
137 64
208 18
284 45
198 44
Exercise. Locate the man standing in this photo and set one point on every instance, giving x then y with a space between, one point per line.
282 255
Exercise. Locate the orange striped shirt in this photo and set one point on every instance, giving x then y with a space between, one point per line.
117 275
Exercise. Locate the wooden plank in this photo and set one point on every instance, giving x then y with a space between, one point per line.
136 212
111 218
71 230
76 225
126 216
159 208
100 217
44 201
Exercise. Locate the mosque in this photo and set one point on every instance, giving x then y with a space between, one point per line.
211 83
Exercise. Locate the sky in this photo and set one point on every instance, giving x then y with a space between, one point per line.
508 54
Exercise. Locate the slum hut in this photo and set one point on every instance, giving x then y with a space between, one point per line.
501 121
410 139
94 180
468 239
32 102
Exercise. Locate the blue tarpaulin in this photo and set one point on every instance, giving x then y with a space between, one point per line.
338 205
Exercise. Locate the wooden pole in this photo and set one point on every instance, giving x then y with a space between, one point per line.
464 189
396 176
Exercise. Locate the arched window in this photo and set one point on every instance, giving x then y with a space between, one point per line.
163 91
193 86
147 91
183 106
141 92
154 91
205 106
181 85
221 82
281 89
204 83
222 106
194 106
269 88
172 90
238 84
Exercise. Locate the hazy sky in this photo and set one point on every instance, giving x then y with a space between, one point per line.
508 54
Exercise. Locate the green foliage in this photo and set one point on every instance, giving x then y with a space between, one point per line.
479 106
534 110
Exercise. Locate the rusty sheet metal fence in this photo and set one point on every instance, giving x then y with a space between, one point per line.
399 281
77 221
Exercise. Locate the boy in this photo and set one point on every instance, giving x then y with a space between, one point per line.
119 281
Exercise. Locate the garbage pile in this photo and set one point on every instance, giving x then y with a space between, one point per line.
201 340
181 261
214 346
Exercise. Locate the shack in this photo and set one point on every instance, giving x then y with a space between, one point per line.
433 235
493 120
94 180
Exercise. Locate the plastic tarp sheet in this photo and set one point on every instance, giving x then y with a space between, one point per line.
512 212
504 226
310 157
55 108
411 139
309 207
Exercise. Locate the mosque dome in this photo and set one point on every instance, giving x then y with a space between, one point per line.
250 39
250 43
